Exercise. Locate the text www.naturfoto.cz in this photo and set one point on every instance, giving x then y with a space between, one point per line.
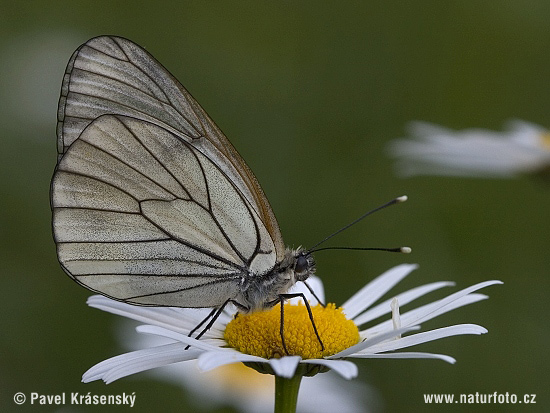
480 398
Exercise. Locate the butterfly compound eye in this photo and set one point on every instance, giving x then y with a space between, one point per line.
301 265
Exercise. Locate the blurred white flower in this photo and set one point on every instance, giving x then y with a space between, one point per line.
524 148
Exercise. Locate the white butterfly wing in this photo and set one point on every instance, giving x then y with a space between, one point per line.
143 217
151 203
112 75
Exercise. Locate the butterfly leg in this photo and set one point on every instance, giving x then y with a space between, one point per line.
210 314
213 316
282 298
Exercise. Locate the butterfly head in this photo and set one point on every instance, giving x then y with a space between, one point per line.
304 265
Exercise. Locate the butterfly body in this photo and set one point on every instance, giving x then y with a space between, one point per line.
263 291
151 203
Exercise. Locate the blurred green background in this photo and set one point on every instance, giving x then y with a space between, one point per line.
309 93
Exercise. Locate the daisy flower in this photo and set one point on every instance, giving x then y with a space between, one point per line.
524 148
254 339
248 391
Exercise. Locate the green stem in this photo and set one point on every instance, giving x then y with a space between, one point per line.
286 393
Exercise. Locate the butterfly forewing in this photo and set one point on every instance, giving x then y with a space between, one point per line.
112 75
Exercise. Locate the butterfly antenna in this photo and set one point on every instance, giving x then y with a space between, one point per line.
394 201
404 250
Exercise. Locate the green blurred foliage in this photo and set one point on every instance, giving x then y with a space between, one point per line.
309 93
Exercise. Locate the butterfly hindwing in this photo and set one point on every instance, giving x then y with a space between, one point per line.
143 216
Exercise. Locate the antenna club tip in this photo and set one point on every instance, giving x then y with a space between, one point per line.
401 198
406 250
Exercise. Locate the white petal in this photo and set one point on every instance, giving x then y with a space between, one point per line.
408 355
176 319
285 366
389 334
163 332
429 311
344 368
403 298
424 337
376 289
451 300
137 361
211 359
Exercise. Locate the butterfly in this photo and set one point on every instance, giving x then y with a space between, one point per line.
151 204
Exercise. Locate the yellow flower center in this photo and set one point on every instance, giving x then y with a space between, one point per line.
545 140
259 333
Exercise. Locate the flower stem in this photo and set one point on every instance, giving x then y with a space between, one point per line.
286 393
